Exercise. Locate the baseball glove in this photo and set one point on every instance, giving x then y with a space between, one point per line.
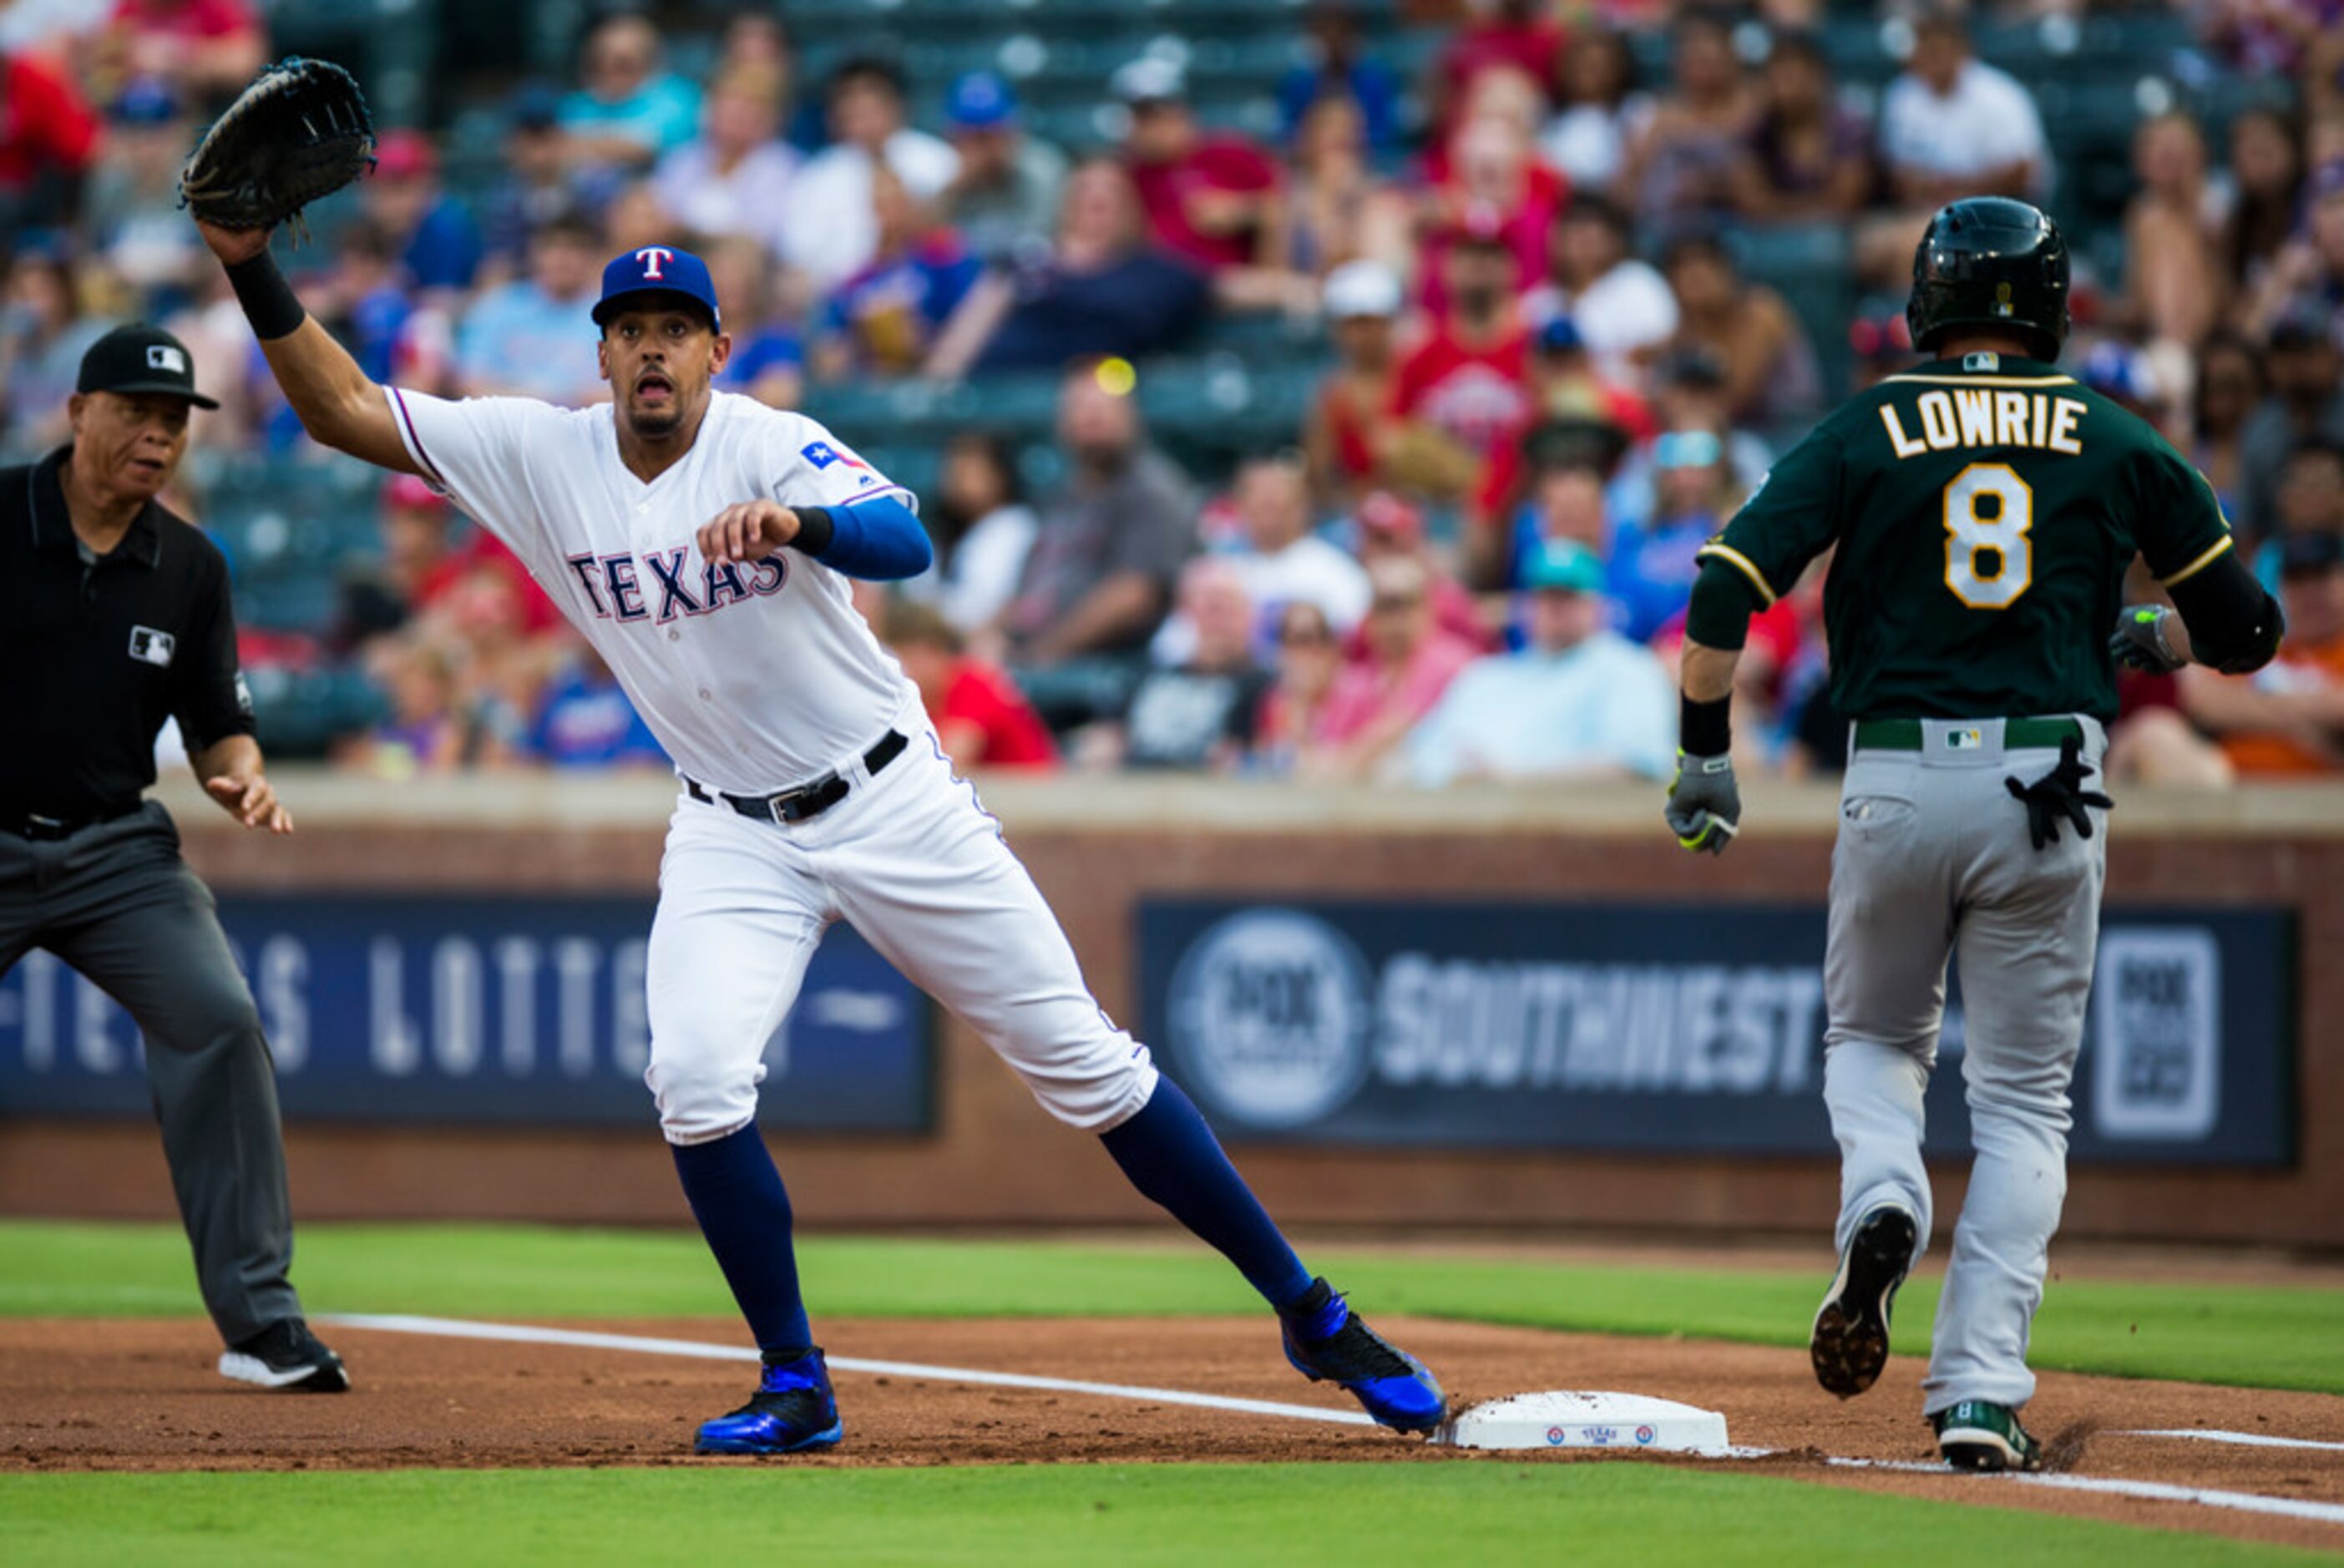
300 131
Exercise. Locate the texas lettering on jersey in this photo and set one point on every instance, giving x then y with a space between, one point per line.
695 644
617 586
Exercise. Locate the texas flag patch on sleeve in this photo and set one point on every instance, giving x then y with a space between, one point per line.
822 454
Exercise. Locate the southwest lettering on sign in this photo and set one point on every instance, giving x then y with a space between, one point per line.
822 454
651 258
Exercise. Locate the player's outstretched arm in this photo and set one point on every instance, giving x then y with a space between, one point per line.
338 405
878 538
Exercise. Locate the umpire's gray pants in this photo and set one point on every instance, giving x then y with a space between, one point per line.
118 903
1933 861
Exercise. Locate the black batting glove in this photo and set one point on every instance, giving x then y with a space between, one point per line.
1705 809
2139 641
2057 794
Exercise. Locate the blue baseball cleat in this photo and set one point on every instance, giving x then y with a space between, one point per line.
791 1411
1326 1343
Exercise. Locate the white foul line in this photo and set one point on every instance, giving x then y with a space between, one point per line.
2243 1438
452 1328
2110 1486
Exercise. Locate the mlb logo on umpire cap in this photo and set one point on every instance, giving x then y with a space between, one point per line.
167 356
656 269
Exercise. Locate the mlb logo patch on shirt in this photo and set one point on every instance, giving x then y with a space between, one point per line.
149 646
822 454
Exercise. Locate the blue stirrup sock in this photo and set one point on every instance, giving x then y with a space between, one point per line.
1173 1158
744 1210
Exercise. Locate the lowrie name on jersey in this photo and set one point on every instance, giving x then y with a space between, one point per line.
1989 417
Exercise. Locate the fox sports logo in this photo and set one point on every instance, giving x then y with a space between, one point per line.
1271 1015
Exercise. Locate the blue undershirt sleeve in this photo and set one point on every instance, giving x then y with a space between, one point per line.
879 540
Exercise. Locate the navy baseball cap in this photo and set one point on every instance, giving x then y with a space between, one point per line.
656 269
979 101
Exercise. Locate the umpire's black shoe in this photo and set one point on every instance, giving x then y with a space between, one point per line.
285 1355
1850 1342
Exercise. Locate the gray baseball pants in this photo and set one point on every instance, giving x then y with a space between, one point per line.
1934 860
117 902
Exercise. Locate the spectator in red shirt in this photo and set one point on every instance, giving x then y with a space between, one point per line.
1486 178
1389 529
1212 197
1362 301
1565 388
980 717
1307 658
1496 34
423 563
1375 703
1465 388
208 48
48 139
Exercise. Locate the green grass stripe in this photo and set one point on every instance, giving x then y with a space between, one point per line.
2255 1336
1034 1516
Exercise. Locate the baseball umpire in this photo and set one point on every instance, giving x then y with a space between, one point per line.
1984 509
114 616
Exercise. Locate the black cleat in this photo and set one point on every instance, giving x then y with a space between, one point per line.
1850 1342
285 1355
1977 1435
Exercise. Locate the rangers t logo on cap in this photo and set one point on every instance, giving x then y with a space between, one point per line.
656 269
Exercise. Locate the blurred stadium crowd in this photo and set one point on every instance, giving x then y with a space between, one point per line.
1333 390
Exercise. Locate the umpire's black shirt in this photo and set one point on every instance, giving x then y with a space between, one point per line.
96 654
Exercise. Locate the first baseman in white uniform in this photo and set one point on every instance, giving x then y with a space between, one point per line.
701 542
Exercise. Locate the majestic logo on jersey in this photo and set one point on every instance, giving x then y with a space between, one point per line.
822 454
659 585
651 258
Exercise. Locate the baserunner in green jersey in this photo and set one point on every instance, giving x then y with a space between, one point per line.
1982 509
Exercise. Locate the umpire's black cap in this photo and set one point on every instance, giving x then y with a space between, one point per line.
141 359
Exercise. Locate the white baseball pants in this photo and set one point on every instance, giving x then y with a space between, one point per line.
911 861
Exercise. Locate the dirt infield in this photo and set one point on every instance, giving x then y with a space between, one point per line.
140 1395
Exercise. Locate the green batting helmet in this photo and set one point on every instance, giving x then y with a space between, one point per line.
1992 262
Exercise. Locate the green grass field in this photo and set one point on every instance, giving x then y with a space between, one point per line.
1038 1515
2204 1333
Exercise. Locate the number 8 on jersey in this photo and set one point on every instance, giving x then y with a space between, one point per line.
1973 537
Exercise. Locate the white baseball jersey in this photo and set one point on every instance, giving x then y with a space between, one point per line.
757 678
754 677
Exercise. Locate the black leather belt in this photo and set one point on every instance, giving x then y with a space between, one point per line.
43 829
808 800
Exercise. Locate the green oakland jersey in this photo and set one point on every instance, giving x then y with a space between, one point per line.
1984 513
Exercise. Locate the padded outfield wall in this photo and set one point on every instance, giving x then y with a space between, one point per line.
1484 1008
